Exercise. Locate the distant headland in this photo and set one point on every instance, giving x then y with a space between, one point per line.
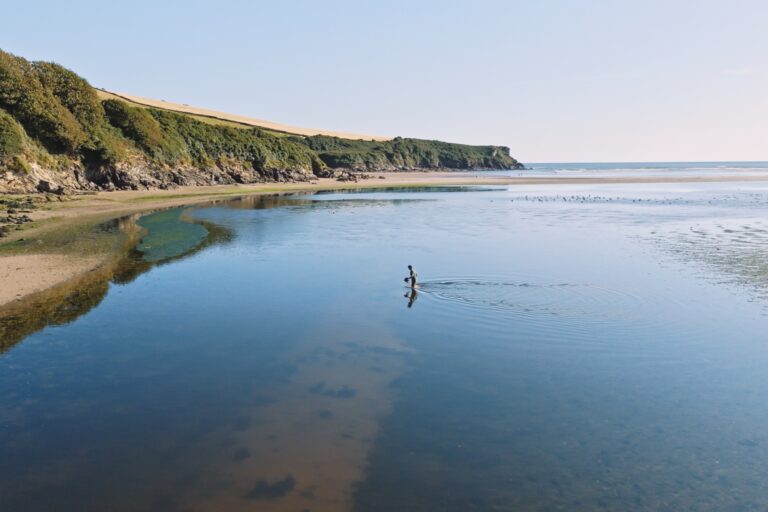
59 134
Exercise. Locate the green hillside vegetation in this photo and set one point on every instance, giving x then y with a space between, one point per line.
11 136
407 153
106 95
36 107
52 117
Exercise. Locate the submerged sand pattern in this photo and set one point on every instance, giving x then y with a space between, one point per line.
305 444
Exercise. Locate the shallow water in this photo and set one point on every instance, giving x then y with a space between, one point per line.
569 348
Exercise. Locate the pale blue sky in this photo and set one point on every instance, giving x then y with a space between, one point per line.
561 80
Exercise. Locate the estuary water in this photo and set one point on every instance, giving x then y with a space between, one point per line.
571 347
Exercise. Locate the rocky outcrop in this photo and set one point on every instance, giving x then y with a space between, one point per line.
13 214
141 176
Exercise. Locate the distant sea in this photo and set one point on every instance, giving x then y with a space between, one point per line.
642 168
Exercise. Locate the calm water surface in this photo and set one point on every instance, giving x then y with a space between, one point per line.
572 348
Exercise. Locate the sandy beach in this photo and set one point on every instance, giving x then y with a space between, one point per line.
29 271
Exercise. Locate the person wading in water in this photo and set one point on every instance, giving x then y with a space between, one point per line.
413 294
412 275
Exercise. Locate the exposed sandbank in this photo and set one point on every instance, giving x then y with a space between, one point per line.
23 274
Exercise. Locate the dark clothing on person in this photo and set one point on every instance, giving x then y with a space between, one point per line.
413 275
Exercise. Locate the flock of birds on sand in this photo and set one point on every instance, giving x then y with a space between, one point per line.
753 199
593 199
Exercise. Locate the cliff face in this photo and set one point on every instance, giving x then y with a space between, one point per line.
56 135
137 176
402 154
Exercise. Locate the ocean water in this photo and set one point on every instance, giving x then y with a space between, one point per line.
642 169
572 347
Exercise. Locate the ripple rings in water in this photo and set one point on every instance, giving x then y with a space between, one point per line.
556 310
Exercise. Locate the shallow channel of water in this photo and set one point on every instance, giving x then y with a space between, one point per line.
570 348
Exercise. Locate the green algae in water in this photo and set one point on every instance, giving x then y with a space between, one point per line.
169 235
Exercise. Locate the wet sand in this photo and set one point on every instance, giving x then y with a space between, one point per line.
24 274
31 271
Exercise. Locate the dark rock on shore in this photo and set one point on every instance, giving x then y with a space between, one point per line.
16 214
47 187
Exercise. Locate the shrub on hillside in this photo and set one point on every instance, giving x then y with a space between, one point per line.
204 142
139 125
74 92
106 146
11 136
37 109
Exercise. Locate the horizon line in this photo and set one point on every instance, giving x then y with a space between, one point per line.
649 162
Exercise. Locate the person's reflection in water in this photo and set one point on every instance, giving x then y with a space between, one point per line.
411 295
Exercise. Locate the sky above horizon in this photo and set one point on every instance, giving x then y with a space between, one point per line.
556 81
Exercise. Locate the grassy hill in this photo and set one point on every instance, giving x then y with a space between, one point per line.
224 119
57 133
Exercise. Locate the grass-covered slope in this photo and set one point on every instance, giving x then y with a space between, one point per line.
56 133
401 153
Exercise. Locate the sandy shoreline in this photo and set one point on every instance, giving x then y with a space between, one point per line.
24 274
30 271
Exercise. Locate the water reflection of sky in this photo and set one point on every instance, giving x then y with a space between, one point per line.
571 348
